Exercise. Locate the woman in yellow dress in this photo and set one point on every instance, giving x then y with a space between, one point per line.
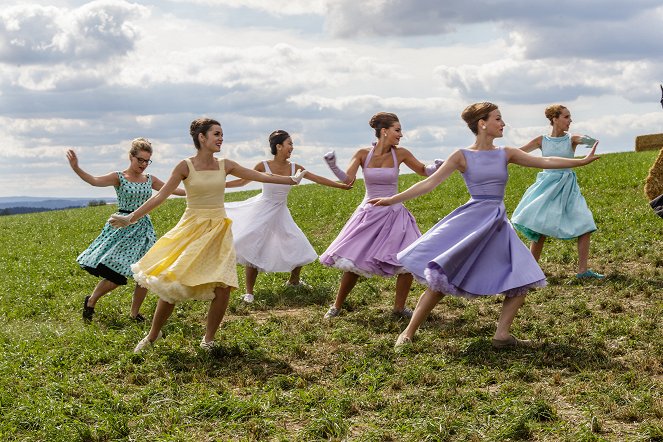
196 258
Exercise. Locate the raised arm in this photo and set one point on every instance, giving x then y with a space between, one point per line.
532 145
456 161
519 157
349 176
157 184
110 179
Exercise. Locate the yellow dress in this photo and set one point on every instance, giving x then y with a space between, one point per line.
197 255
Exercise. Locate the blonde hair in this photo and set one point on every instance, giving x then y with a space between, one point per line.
140 144
475 112
382 120
554 111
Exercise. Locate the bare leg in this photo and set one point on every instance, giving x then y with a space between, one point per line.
536 247
217 310
251 276
403 284
583 252
137 300
348 282
161 315
103 287
510 307
427 301
294 276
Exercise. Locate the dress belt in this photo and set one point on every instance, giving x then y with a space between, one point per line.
487 197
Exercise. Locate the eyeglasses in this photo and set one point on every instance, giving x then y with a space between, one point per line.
142 161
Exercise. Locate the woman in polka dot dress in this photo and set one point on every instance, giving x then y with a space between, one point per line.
111 254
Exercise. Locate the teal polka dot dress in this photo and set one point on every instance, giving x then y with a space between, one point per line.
111 254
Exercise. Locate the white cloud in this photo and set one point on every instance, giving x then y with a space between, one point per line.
275 7
96 31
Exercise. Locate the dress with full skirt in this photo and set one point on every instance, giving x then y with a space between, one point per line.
197 255
553 206
265 235
368 243
111 254
474 251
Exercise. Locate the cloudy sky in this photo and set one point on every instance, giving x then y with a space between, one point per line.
94 75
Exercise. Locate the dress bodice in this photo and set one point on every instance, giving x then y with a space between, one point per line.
485 173
276 192
380 181
130 195
557 147
205 189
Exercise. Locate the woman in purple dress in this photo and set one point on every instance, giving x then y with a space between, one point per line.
370 240
474 251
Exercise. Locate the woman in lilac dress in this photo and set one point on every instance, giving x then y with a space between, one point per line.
370 240
474 251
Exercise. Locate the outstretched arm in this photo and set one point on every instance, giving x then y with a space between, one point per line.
417 166
455 162
157 184
239 182
517 156
532 145
110 179
180 172
232 168
324 181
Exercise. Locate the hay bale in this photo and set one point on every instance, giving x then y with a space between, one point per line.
648 142
654 181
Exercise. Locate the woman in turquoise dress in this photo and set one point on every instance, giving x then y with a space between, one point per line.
111 254
553 206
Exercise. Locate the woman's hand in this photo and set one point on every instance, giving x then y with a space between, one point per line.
72 158
118 221
381 201
591 155
297 177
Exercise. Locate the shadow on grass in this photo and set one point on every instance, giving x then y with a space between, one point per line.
544 355
286 297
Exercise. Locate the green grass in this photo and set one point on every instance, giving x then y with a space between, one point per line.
596 373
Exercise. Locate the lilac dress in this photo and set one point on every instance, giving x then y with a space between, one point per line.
474 251
370 240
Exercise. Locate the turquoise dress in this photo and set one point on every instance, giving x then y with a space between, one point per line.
553 206
111 254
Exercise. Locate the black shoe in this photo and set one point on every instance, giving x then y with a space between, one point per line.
138 318
88 312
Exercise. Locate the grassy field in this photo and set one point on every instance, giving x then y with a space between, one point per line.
596 372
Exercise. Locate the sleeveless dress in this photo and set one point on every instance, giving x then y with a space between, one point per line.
196 255
474 251
368 243
553 205
266 237
111 254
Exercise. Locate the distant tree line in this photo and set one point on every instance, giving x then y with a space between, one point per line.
20 210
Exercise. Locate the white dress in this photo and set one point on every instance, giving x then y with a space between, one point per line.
265 235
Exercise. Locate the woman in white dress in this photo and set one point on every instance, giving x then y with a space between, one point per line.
266 237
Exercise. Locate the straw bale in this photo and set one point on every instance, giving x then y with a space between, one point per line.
654 181
648 142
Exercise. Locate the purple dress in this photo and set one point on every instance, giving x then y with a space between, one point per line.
474 251
370 240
